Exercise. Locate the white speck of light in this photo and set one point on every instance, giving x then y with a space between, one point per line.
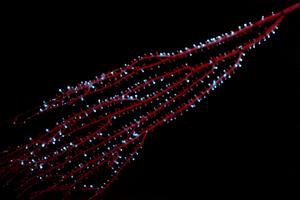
135 134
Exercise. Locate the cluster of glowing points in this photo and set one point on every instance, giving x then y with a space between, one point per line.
109 117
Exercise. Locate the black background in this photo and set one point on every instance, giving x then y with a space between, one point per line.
241 142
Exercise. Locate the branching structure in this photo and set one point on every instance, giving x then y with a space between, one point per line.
110 116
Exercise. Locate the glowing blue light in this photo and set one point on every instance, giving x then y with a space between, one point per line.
135 134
